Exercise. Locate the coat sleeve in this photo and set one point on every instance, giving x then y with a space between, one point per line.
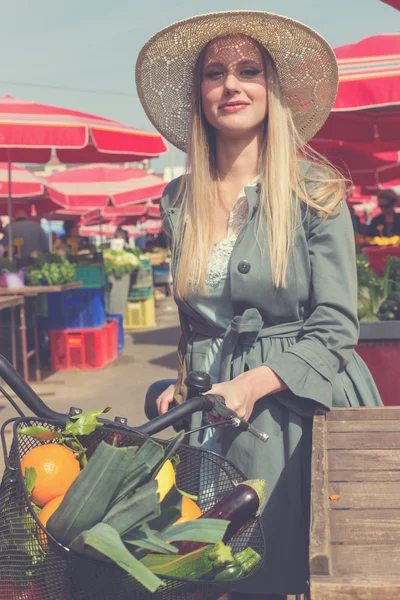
166 203
331 330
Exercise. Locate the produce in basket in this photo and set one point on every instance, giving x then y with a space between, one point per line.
118 515
166 479
238 506
49 509
124 507
190 511
56 467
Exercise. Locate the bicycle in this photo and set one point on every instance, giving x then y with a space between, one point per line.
61 574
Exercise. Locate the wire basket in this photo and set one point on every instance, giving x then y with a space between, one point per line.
34 566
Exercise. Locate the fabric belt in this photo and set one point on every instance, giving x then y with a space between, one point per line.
239 338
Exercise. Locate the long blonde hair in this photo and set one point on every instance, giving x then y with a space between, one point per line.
282 179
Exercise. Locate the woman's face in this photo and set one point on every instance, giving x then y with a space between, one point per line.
234 86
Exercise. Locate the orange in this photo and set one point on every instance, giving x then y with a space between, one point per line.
56 468
166 479
190 511
50 508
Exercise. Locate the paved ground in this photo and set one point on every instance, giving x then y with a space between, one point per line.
148 355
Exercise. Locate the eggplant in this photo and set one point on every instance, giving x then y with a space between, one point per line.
238 506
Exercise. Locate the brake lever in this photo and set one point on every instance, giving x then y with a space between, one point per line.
220 410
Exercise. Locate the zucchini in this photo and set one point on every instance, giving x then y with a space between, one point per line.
190 566
239 506
243 563
232 571
194 565
247 559
155 560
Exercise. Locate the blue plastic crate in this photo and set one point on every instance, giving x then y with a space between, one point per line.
121 337
77 309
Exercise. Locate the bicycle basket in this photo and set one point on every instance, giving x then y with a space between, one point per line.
39 568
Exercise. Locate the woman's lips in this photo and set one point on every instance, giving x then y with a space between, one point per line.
231 108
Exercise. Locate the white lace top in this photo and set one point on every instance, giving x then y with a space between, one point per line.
222 250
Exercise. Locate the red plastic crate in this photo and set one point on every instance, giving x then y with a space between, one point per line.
377 257
111 328
84 349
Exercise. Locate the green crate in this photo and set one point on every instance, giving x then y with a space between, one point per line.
145 263
92 276
141 293
142 278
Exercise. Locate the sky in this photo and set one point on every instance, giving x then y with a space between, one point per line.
81 54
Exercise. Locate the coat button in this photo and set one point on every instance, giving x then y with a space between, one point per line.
244 267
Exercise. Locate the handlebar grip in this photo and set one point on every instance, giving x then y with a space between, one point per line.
261 435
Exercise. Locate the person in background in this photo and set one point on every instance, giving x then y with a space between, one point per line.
121 233
28 236
388 222
71 242
355 219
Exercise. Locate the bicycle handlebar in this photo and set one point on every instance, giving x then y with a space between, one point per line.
210 403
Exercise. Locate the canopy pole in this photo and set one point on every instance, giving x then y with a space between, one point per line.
9 202
10 256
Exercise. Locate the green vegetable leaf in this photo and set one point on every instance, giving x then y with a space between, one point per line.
36 509
39 433
148 539
187 495
134 510
30 479
85 423
170 450
170 510
105 540
88 498
148 456
209 531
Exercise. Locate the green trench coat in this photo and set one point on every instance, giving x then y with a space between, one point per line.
306 333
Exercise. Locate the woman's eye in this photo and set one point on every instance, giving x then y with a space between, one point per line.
213 74
250 72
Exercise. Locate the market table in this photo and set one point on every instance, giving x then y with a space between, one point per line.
33 291
11 302
355 505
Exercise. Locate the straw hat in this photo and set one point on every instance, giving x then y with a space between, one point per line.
305 63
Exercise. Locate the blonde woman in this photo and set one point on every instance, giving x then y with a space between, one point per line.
263 252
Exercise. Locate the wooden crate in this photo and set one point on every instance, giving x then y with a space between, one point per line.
355 505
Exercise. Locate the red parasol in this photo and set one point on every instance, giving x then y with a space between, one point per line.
27 191
30 132
366 111
393 3
365 169
96 186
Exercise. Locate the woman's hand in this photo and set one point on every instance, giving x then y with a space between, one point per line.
164 400
242 393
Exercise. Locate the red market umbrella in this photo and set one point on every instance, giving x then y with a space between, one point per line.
96 186
108 230
30 132
375 189
26 190
393 3
365 169
367 107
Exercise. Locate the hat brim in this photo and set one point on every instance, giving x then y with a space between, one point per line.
305 63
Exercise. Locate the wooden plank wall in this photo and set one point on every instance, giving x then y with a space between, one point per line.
355 530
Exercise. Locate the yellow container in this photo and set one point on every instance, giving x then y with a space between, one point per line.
140 314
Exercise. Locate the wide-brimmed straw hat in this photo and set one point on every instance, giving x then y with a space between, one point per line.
305 63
